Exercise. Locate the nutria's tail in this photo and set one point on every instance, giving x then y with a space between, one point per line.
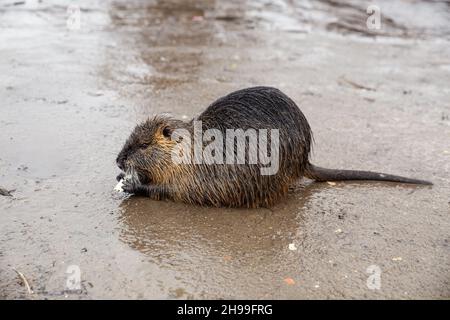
323 174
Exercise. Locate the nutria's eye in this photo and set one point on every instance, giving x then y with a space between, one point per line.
143 146
167 132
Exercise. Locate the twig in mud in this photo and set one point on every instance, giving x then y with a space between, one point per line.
5 192
357 85
25 281
17 3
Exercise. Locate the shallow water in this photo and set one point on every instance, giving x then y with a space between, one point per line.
70 99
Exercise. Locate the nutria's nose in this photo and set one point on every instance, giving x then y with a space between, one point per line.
121 162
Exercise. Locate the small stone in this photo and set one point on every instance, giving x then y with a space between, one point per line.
289 281
96 93
197 18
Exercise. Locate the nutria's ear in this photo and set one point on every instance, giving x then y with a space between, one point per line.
167 131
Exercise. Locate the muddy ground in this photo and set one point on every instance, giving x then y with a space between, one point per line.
375 100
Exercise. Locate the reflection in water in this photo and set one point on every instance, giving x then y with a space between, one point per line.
165 229
217 246
169 37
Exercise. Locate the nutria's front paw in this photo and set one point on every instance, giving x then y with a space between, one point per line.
133 187
129 186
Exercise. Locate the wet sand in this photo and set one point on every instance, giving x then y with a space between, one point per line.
375 101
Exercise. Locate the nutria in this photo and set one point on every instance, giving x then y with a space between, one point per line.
147 155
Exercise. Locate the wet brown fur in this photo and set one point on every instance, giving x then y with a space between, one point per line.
149 147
